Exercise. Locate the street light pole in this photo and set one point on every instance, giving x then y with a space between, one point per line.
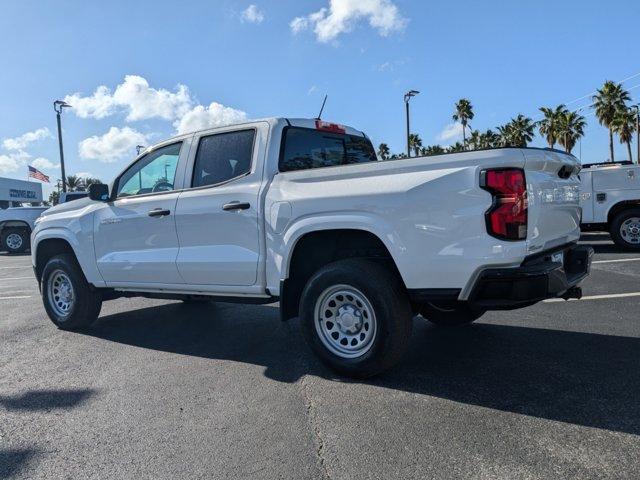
58 105
407 97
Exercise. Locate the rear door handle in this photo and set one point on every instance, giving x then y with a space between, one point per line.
159 212
236 206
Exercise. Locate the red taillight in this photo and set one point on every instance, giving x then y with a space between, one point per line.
329 127
507 217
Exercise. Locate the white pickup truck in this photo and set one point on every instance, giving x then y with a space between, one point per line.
610 201
16 223
301 211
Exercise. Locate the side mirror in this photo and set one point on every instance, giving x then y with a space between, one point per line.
99 192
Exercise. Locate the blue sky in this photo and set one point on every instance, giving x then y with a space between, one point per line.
163 64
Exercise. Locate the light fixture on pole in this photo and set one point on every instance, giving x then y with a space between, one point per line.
58 105
139 148
407 97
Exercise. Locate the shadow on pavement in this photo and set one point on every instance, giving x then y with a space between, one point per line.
581 378
38 400
12 460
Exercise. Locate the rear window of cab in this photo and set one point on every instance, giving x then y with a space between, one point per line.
306 148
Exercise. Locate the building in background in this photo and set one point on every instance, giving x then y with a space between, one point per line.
15 192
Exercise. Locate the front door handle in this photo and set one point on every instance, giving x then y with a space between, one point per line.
159 212
236 206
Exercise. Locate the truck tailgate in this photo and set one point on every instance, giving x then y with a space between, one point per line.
553 188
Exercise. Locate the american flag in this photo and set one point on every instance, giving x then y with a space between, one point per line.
37 174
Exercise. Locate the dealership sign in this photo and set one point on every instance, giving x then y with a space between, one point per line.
12 190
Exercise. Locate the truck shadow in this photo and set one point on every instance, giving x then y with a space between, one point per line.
581 378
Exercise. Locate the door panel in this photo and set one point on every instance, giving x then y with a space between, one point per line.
217 223
134 247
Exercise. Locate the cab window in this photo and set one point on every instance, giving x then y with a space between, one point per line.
306 148
223 156
153 173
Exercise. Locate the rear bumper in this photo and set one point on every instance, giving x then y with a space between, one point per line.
538 278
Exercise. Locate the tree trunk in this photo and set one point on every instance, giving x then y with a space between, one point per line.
611 144
629 150
464 134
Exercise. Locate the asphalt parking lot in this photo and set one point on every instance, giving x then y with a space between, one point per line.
158 389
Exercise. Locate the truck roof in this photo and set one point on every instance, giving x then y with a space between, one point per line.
273 121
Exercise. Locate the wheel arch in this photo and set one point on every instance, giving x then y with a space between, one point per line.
15 223
621 206
314 248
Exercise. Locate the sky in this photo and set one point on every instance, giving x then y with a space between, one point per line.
137 72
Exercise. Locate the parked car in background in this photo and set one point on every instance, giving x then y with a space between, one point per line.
16 223
301 211
610 201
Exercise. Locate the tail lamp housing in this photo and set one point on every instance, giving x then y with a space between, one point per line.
507 217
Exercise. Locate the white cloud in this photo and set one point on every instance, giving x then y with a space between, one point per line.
18 143
42 163
252 14
451 132
215 115
136 98
117 143
12 162
343 15
312 89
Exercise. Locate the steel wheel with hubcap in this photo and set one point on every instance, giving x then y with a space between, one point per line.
345 321
15 240
356 317
625 229
69 300
61 295
630 230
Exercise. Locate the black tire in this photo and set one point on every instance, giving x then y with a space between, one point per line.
15 239
391 313
626 239
87 302
450 314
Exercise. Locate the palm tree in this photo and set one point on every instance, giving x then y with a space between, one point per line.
415 142
91 181
519 131
456 148
463 113
489 139
569 128
548 125
475 140
624 124
74 182
432 150
383 151
606 102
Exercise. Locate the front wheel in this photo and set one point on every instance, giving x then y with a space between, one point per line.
15 240
625 229
356 317
71 303
450 314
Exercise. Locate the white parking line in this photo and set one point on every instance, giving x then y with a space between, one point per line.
19 278
25 266
16 297
596 297
618 260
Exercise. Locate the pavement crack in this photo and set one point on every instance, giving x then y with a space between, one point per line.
315 428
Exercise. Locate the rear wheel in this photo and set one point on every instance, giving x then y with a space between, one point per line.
625 229
356 317
71 303
450 314
14 240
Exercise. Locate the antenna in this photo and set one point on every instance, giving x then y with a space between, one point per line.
322 107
